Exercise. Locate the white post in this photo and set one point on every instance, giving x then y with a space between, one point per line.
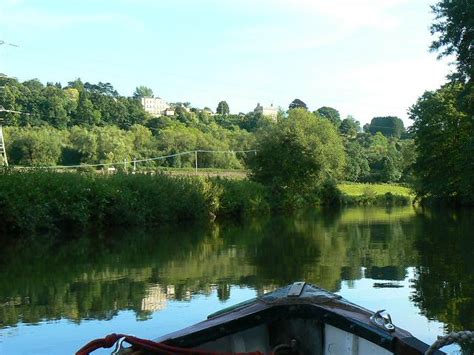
196 160
3 149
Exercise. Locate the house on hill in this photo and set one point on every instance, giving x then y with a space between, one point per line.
156 106
269 111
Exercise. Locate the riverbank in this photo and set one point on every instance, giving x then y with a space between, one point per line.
38 201
376 194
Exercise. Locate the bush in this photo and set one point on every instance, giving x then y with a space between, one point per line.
239 198
297 156
44 200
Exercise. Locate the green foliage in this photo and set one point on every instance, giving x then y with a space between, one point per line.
357 167
454 26
371 199
34 146
349 127
389 126
445 144
77 104
142 91
86 114
40 200
223 108
109 144
297 155
444 119
330 114
241 198
97 125
297 103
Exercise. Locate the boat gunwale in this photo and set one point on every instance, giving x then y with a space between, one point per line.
354 320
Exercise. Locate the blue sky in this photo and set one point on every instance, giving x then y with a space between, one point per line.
365 58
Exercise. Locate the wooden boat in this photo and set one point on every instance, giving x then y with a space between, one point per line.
297 319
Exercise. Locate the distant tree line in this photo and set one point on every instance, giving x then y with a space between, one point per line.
85 123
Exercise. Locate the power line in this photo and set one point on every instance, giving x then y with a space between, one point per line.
2 109
8 44
138 160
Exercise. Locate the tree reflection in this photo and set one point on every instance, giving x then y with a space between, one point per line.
96 277
444 283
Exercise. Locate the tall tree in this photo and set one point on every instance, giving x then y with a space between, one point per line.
389 126
454 25
357 168
444 141
349 126
142 91
223 108
330 114
76 84
85 113
297 155
297 103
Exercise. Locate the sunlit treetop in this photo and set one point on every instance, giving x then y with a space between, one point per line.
454 24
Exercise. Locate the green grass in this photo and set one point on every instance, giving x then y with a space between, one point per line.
36 201
359 189
238 174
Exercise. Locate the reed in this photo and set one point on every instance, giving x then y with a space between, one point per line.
36 201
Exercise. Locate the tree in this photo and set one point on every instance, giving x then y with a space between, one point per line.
113 145
101 88
357 168
445 146
297 155
134 114
330 114
408 159
54 107
454 25
34 146
349 127
83 145
86 114
223 108
297 103
389 126
142 91
76 84
142 141
389 171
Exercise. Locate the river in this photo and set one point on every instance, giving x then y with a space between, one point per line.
56 295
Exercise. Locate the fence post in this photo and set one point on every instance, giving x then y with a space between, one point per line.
196 160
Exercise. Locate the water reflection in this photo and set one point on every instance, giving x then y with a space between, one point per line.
444 280
96 277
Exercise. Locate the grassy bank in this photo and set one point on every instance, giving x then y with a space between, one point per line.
355 189
375 194
36 201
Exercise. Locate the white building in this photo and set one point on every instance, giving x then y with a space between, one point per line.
269 111
155 106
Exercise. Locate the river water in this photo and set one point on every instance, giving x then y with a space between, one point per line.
56 296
